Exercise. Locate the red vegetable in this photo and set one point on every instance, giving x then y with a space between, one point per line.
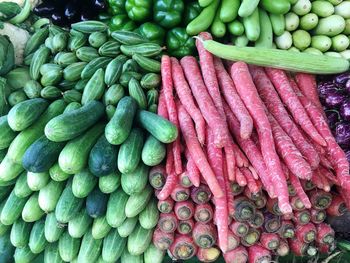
251 184
320 199
272 223
317 216
240 178
325 234
180 193
238 255
287 229
162 107
201 194
236 189
261 201
258 254
244 209
302 217
300 191
185 226
307 185
208 254
296 203
326 248
183 247
273 207
233 241
337 207
192 170
171 179
185 180
251 238
157 177
305 233
240 229
317 180
300 248
257 221
203 213
166 206
204 235
283 248
230 157
229 193
162 240
167 222
184 210
269 241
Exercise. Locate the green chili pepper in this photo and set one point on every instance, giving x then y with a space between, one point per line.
179 43
168 13
152 32
139 10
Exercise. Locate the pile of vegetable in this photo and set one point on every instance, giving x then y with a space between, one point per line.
77 141
317 27
260 170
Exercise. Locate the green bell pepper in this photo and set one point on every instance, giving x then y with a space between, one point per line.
121 22
192 10
179 44
152 32
139 10
168 13
116 7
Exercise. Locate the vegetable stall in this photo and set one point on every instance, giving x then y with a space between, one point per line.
172 130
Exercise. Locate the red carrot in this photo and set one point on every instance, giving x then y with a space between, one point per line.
167 222
302 217
328 174
300 191
197 153
246 88
273 207
184 210
307 185
287 229
185 226
252 196
280 80
283 248
317 216
274 104
208 254
346 196
301 248
205 103
229 193
204 235
261 201
238 255
169 186
185 180
240 178
320 199
325 234
180 193
244 209
259 254
326 184
296 203
186 98
192 170
257 221
241 159
230 158
201 194
236 189
166 206
240 229
203 213
251 238
269 241
272 223
305 233
162 240
317 180
337 207
308 86
162 107
233 240
183 247
327 248
157 177
251 184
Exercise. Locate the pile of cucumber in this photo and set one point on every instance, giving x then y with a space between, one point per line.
76 147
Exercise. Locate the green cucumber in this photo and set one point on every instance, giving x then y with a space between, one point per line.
6 190
65 58
252 26
128 258
145 49
96 203
9 170
114 70
20 232
148 218
86 54
72 96
32 89
79 225
51 78
147 64
95 87
53 229
90 248
16 97
51 254
74 156
37 241
127 227
12 209
152 96
73 71
113 246
90 26
18 77
57 174
59 42
37 181
72 124
130 65
109 183
7 134
40 57
4 229
159 127
24 255
113 94
49 195
128 37
77 41
22 189
139 240
109 49
68 247
46 68
97 39
80 86
83 183
116 208
266 35
110 110
150 81
278 24
276 6
100 227
51 93
119 127
330 26
66 85
136 92
137 202
93 66
127 76
135 181
153 255
31 211
36 40
153 151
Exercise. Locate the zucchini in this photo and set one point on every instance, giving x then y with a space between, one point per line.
83 183
31 211
127 227
53 230
37 181
153 255
113 246
103 156
109 183
41 155
57 174
139 240
20 232
135 181
130 151
160 128
24 255
153 151
95 87
73 123
22 189
37 241
90 248
148 218
12 209
137 202
128 258
79 225
68 247
119 127
9 170
115 214
75 154
100 227
51 254
7 134
49 195
96 203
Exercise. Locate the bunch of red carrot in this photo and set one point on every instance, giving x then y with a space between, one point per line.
257 141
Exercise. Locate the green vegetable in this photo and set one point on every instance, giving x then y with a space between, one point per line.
128 258
339 43
109 183
136 181
97 39
113 94
79 225
252 26
18 77
330 26
301 39
153 151
100 227
68 247
150 81
128 38
89 26
93 66
127 227
312 50
146 49
153 255
40 57
20 232
291 21
192 10
37 181
32 89
302 7
322 8
90 248
139 11
246 8
22 189
49 195
148 218
31 211
236 28
83 183
218 28
276 6
96 203
9 10
115 214
36 40
147 64
168 13
113 246
309 21
139 240
266 35
121 22
16 97
73 71
114 70
204 3
53 230
37 241
110 49
57 174
137 202
95 88
343 9
179 44
7 134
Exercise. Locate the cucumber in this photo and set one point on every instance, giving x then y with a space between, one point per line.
114 70
51 78
9 171
3 228
7 134
266 35
90 26
6 190
57 174
152 96
110 110
22 189
252 26
90 248
37 241
79 225
137 202
80 86
49 195
135 181
128 258
31 211
160 128
147 64
153 255
97 39
109 49
72 124
276 7
139 240
16 97
128 37
68 247
6 248
32 89
119 127
330 26
68 205
130 151
115 214
27 137
150 81
20 232
102 158
77 41
148 218
53 230
37 181
109 183
127 76
24 255
65 58
12 209
86 54
70 96
127 227
113 246
83 183
36 40
145 49
100 227
130 65
44 69
95 87
73 71
153 108
153 151
51 254
93 66
40 57
136 92
17 78
66 85
96 203
75 154
113 94
51 93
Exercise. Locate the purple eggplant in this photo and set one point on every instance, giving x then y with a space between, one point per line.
347 153
342 133
342 78
58 18
44 9
347 86
71 10
98 4
333 118
345 110
326 88
334 99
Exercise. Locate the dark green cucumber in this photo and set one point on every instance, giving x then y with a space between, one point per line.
51 254
153 151
97 39
145 49
83 183
72 106
65 58
16 97
96 203
119 127
109 183
57 174
4 229
130 151
103 156
150 81
12 209
127 227
66 84
73 71
31 211
87 54
18 77
95 87
72 96
22 189
113 94
109 49
93 66
3 153
113 246
68 247
127 76
100 227
41 155
153 255
89 26
135 181
114 70
72 124
51 93
37 241
74 156
128 37
6 190
90 248
32 89
131 65
49 195
139 240
116 208
7 134
37 181
148 218
20 232
53 229
36 40
160 128
79 225
152 96
24 255
147 64
110 111
137 202
80 86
